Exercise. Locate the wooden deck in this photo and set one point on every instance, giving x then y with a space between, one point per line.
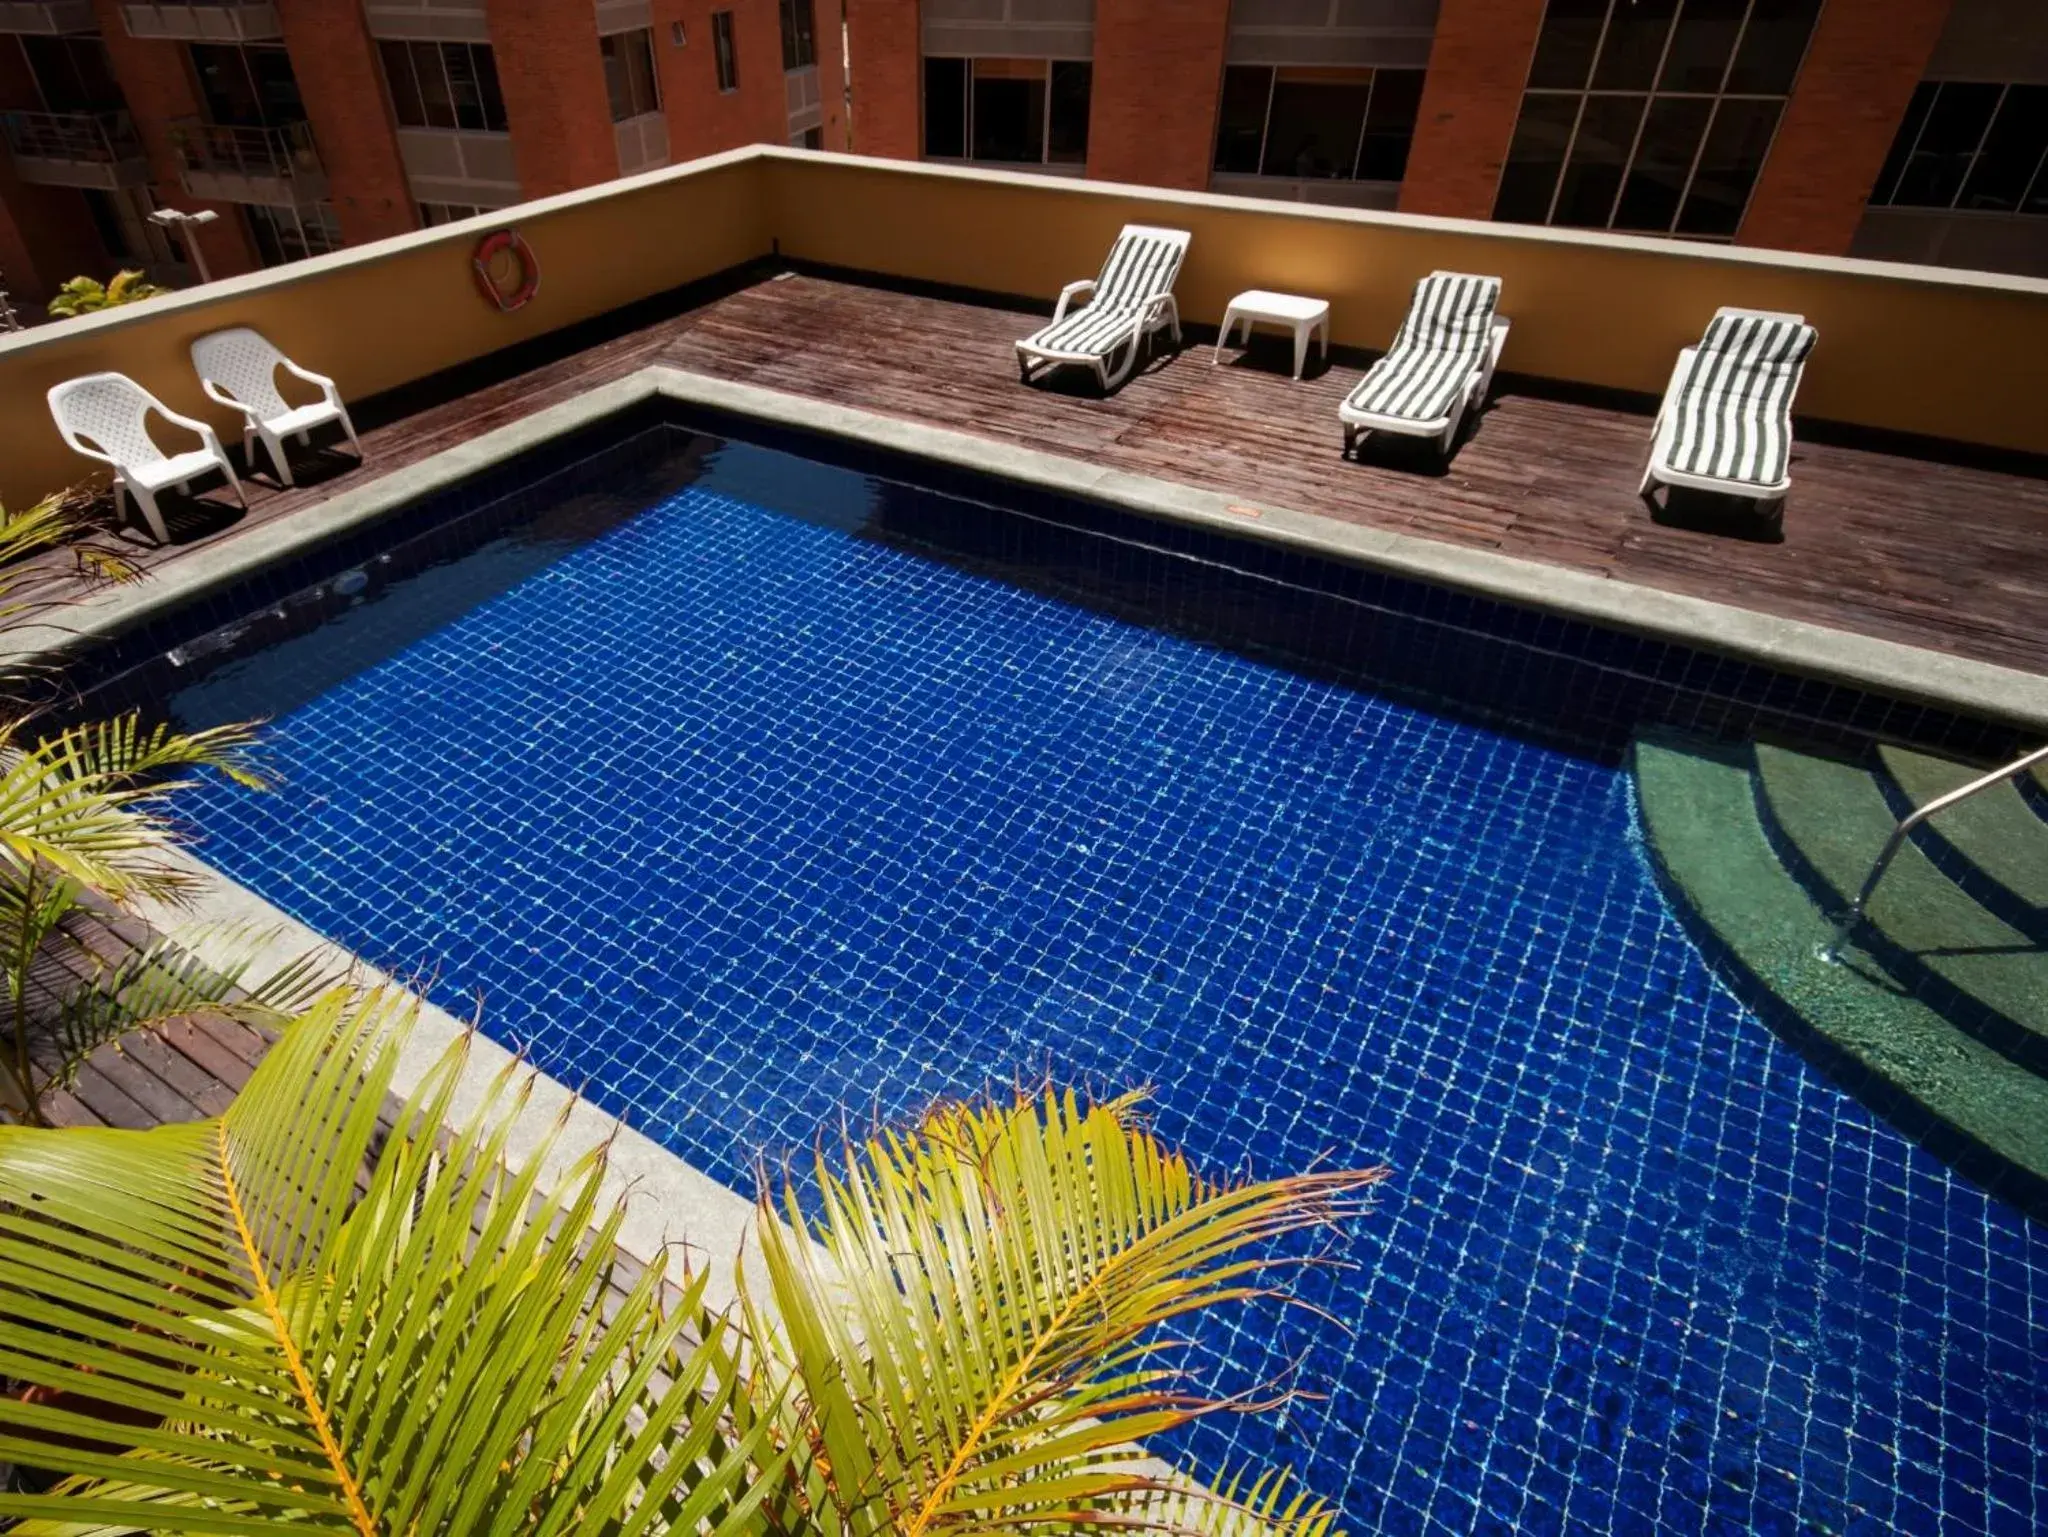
1934 554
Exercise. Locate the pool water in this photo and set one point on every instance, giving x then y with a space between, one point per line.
754 818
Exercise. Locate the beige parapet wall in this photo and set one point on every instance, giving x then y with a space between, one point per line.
1923 350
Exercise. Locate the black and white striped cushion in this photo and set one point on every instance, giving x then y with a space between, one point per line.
1733 411
1441 343
1139 269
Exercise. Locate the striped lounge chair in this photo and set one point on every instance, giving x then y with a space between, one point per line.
1439 366
1132 299
1726 421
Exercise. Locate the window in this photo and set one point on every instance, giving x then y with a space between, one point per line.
1652 115
722 51
72 74
1346 124
799 46
1015 111
432 214
444 85
288 234
122 220
810 138
629 73
1969 145
247 85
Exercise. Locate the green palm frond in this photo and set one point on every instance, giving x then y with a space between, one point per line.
976 1335
247 1343
89 801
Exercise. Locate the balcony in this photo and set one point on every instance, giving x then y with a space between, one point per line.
205 21
76 149
276 166
47 18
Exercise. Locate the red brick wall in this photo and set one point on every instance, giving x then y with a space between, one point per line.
342 84
46 234
1478 64
553 83
831 74
702 119
1865 58
1158 80
156 78
884 45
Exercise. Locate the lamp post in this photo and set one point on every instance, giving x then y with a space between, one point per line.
186 224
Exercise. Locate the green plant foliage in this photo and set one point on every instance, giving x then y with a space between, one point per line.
84 295
281 1319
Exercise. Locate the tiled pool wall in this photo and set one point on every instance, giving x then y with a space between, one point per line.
1551 677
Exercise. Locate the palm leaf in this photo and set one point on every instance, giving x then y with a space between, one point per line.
975 1337
89 802
437 1354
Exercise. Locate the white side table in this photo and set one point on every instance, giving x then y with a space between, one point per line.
1305 317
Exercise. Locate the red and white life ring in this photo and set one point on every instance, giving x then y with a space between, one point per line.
494 245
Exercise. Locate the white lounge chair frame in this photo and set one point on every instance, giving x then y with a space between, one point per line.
1664 436
106 417
238 367
1358 421
1149 313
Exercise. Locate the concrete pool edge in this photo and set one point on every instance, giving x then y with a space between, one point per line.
1883 667
667 1200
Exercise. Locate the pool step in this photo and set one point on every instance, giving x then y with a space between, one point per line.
1757 847
1829 818
1996 834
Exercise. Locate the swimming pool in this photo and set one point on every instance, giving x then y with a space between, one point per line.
755 793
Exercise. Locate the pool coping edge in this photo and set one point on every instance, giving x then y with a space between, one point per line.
1889 668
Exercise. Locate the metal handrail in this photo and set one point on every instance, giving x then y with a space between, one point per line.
1913 819
103 137
284 152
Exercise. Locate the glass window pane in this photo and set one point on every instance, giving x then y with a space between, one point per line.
485 64
1729 161
436 104
1607 132
799 49
1701 45
1390 124
464 92
1948 140
277 88
725 55
1902 144
1566 45
615 89
1315 126
2011 153
1008 112
1067 133
1241 120
639 47
405 92
1656 181
1772 45
1634 45
945 108
1534 158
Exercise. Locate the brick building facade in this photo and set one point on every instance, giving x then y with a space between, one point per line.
307 124
1905 129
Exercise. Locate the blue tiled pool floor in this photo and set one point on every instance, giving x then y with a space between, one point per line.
753 823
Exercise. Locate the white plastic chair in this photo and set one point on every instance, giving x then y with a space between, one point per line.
106 417
238 367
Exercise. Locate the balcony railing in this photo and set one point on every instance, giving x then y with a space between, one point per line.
76 149
205 21
250 165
